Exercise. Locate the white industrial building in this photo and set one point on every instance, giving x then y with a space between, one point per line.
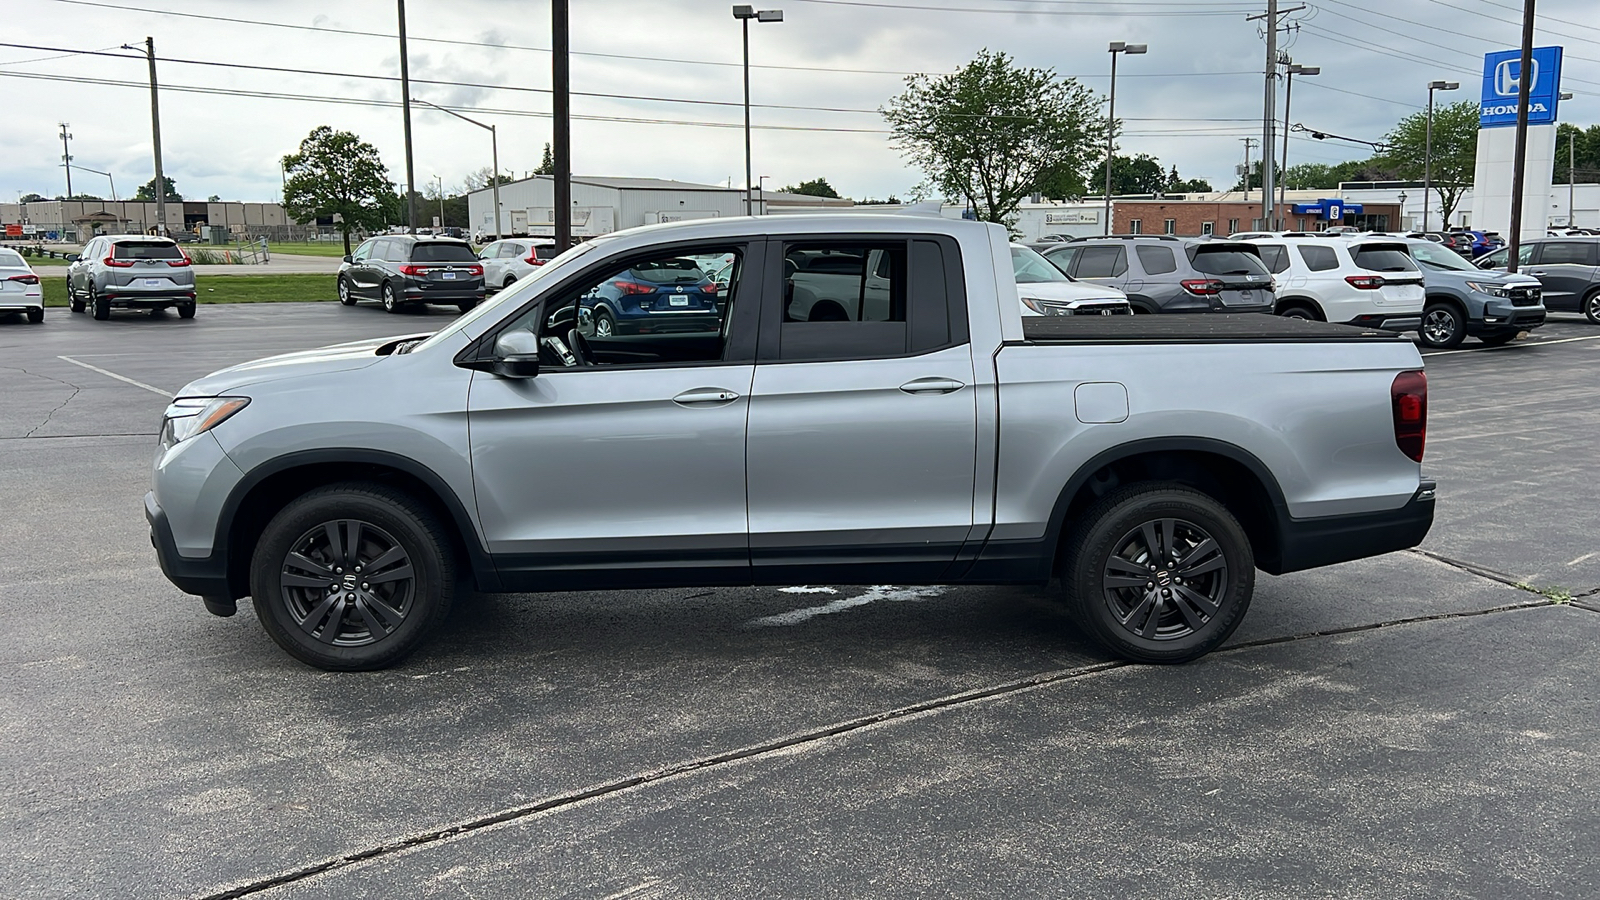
601 205
79 220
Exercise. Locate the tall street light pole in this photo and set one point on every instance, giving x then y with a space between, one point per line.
66 157
494 148
1519 165
155 133
1427 152
744 14
1288 95
1111 115
405 115
561 131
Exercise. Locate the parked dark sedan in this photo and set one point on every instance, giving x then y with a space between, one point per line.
402 269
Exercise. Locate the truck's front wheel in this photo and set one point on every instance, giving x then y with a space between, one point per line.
352 577
1159 573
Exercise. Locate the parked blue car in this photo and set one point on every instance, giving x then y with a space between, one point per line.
665 296
1482 241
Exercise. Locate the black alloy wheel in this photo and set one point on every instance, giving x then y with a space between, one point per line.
1159 573
351 577
1442 326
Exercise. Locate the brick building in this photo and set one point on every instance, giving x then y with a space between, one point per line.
1191 218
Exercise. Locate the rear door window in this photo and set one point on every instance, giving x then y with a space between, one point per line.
1274 256
441 251
145 250
1574 253
1062 258
1157 260
1227 261
1101 262
1384 258
1319 259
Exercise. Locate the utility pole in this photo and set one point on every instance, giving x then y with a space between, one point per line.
561 106
1269 112
1248 143
1572 174
1518 162
155 134
405 115
66 157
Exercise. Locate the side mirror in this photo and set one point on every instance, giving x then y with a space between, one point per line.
516 355
347 258
72 257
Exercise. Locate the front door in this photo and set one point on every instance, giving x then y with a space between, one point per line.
622 463
1565 269
863 432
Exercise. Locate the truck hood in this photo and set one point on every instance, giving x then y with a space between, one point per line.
323 360
1482 276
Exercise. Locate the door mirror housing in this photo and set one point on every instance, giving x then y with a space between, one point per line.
347 258
516 355
72 257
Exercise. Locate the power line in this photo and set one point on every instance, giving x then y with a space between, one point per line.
1118 9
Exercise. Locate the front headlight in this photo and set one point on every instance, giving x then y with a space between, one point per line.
1493 290
189 416
1054 307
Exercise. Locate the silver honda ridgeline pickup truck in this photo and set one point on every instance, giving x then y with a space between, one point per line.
822 399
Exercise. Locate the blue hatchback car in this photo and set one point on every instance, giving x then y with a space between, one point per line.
662 296
1482 241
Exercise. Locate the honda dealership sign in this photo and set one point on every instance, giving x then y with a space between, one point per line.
1502 77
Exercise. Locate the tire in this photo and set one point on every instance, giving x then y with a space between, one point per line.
510 280
1108 554
466 305
1496 340
390 304
73 302
345 296
370 524
1591 307
604 327
1442 326
100 305
1296 311
36 316
186 310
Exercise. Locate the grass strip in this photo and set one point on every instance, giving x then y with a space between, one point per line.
233 289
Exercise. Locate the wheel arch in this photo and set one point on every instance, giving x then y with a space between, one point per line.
269 488
1225 472
1300 300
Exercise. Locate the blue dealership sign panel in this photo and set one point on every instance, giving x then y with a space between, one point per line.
1502 75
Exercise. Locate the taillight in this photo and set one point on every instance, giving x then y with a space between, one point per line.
413 270
1365 282
1203 286
179 263
25 279
709 288
628 287
119 263
474 270
1409 401
533 259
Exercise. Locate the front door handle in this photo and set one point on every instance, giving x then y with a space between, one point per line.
705 396
1537 274
932 386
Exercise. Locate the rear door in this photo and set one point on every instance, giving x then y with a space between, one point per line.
1402 280
862 435
1105 264
1565 268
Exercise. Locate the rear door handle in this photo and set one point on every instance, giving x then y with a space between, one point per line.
704 396
932 386
1537 273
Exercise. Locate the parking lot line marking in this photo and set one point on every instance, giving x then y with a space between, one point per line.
1592 337
1584 557
122 378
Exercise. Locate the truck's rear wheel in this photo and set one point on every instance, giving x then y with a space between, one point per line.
352 577
1158 573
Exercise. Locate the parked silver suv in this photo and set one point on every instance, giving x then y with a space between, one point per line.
130 271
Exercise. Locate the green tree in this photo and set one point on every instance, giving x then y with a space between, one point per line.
1455 150
31 198
816 187
1177 184
991 131
547 163
337 173
147 191
1581 148
479 179
214 198
1140 174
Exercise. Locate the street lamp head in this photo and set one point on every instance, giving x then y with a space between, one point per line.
1402 198
1298 69
1124 47
1137 49
769 15
744 12
1443 85
1565 95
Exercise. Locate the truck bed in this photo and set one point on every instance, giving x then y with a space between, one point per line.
1209 328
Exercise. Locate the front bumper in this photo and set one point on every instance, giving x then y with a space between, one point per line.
1323 541
206 576
1506 320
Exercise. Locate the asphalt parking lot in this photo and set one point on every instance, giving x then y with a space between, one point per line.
1415 725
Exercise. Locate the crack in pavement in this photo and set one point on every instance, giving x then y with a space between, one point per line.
777 745
1497 576
75 390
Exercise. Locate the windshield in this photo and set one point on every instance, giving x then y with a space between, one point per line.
1438 256
512 297
1031 268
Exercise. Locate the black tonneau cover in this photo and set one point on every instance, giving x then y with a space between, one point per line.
1198 328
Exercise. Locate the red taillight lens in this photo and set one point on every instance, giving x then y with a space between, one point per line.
1365 282
533 259
709 288
412 270
25 279
1409 400
628 287
474 270
119 263
1203 287
179 263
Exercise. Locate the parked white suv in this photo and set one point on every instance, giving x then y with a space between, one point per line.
1370 282
506 262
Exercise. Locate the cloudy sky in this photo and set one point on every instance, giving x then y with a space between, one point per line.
818 78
